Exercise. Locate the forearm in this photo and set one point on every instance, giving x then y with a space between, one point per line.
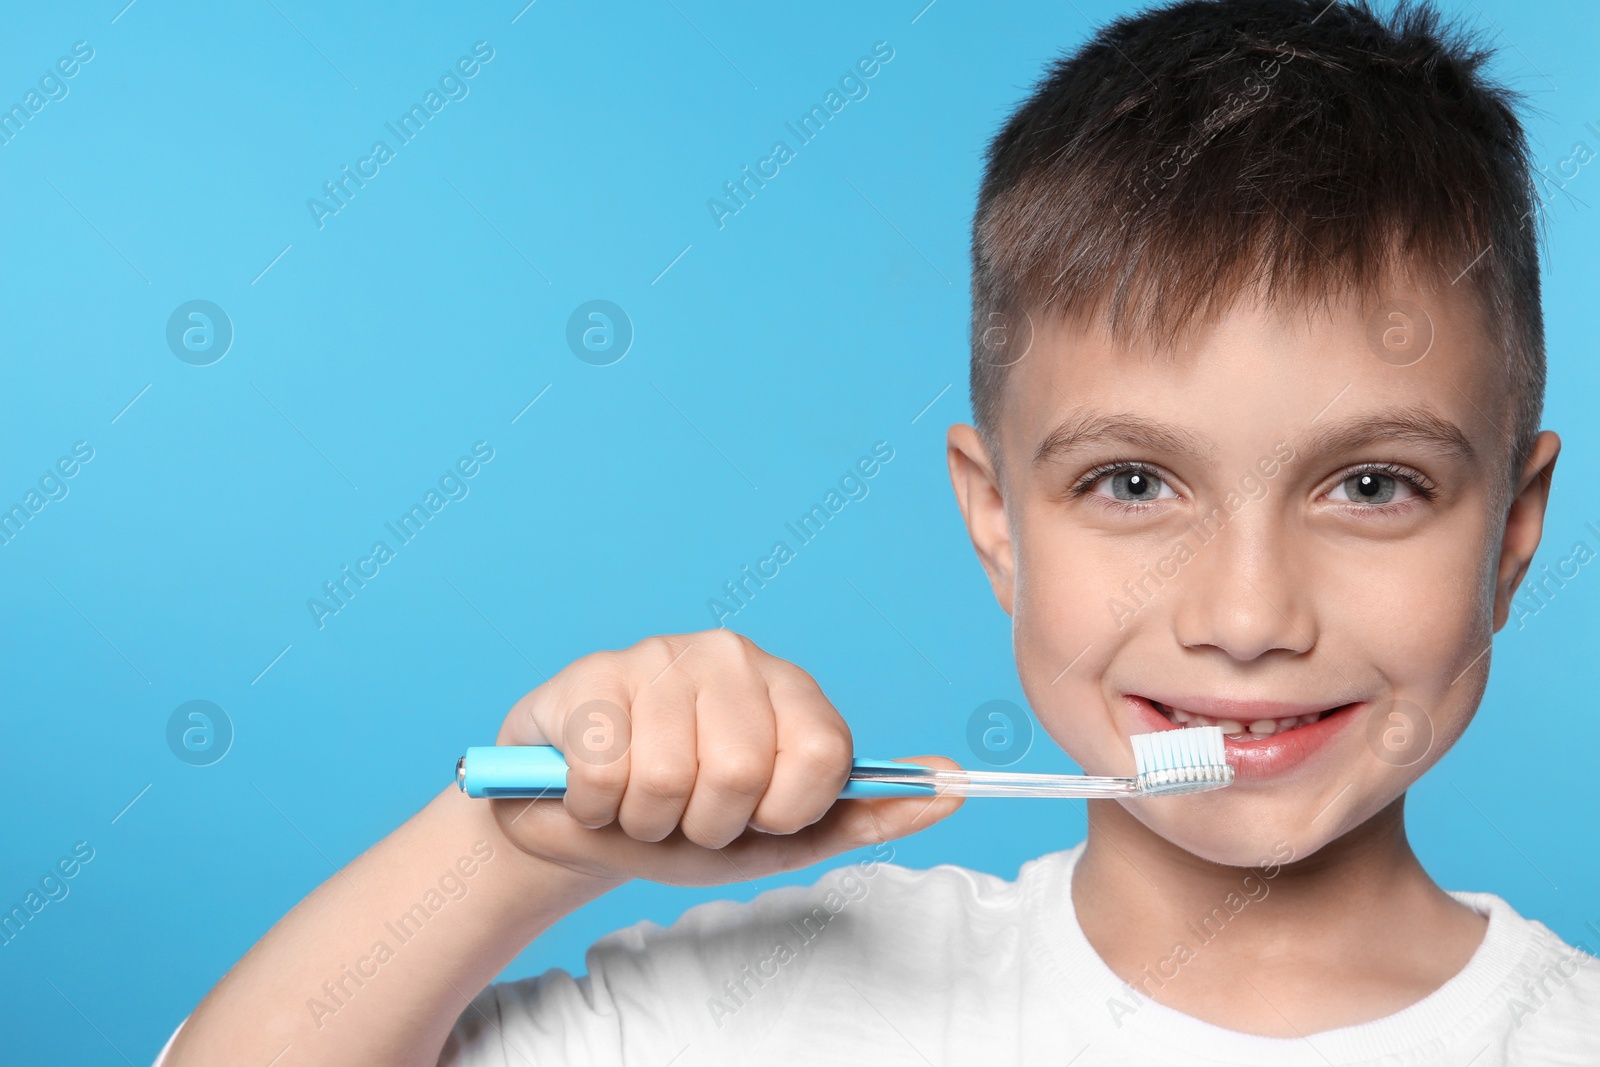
375 966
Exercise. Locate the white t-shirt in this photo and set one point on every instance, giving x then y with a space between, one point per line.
878 964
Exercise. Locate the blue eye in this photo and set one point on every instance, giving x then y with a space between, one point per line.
1369 488
1135 485
1129 484
1377 487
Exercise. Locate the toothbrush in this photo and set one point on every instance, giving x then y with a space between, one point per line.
1166 763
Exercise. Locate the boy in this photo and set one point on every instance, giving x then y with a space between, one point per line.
1257 374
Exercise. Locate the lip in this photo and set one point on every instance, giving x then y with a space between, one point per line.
1267 757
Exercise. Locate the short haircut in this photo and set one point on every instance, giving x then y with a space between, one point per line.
1200 149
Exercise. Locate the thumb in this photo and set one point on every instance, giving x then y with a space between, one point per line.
543 828
856 822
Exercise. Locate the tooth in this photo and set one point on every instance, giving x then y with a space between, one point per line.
1180 715
1201 720
1264 727
1230 726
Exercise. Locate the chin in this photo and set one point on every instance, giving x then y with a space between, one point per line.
1224 831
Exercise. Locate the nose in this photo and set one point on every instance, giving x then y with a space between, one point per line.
1247 590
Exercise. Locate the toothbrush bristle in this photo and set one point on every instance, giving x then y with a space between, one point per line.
1186 760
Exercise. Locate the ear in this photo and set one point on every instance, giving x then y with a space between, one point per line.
1524 522
977 487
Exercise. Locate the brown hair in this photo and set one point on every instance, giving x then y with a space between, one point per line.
1199 149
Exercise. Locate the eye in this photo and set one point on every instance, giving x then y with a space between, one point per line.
1368 488
1127 483
1380 485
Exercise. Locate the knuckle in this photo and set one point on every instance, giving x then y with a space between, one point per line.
792 674
826 751
596 780
659 647
667 779
727 643
599 675
604 664
793 683
740 771
655 656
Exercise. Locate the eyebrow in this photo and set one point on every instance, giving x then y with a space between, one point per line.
1083 429
1417 425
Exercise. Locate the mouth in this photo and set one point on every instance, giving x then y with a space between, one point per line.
1241 730
1262 739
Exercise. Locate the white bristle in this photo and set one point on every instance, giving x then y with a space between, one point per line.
1168 761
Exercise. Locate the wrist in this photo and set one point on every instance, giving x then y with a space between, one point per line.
532 885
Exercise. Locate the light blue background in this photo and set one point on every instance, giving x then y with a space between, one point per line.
427 314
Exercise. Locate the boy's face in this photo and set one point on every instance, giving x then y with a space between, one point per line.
1281 521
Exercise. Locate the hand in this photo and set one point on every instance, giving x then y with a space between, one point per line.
696 759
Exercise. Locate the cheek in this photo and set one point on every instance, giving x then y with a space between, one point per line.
1058 608
1078 587
1064 634
1423 625
1434 614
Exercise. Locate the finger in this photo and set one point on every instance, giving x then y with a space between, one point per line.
662 763
591 725
521 725
539 718
735 745
814 751
847 825
867 822
543 828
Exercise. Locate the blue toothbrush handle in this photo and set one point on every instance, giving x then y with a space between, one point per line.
541 771
855 788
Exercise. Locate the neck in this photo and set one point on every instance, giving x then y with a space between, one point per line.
1127 862
1363 900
